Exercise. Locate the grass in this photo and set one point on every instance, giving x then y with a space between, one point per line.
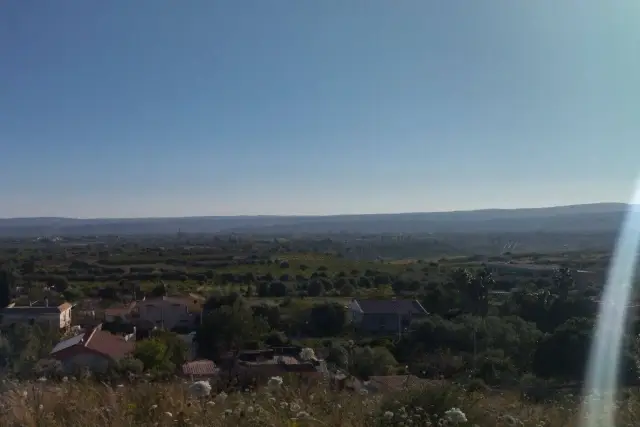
83 403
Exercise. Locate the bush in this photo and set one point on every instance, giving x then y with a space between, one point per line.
432 403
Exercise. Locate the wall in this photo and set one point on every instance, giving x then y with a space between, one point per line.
65 318
167 313
83 358
51 319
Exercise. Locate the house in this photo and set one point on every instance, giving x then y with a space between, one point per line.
257 366
94 349
170 312
120 312
55 316
390 316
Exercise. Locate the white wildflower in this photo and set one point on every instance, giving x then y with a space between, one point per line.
211 403
509 420
388 415
302 415
294 407
274 383
42 379
250 409
169 414
200 389
154 407
456 416
221 397
307 354
272 400
363 391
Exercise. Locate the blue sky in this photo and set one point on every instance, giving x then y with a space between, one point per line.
170 108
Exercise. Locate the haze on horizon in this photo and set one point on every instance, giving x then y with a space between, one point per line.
164 109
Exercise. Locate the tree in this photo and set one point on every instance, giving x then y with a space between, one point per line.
6 284
177 350
153 354
315 289
367 362
159 290
563 282
327 320
475 293
229 327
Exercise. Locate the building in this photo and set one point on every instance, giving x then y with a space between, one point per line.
170 312
121 312
390 316
257 366
55 316
94 350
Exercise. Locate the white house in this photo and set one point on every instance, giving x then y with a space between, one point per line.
55 316
169 312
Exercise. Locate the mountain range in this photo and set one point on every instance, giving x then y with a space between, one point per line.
589 218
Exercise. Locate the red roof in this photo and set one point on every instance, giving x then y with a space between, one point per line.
199 367
99 341
117 311
114 346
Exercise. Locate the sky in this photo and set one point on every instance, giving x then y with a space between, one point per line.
180 108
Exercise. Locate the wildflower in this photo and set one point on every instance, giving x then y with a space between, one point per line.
250 409
153 407
388 415
200 389
294 407
274 383
228 412
169 414
363 391
302 415
307 354
40 407
42 379
221 397
65 379
120 385
283 405
456 416
211 403
511 421
272 400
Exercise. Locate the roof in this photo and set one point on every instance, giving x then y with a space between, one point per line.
106 343
27 310
114 346
192 303
68 343
119 310
390 306
200 367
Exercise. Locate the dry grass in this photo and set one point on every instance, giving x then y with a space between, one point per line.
84 404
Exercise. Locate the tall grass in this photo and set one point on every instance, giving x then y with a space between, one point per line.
87 404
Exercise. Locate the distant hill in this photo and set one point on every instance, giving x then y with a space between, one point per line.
591 218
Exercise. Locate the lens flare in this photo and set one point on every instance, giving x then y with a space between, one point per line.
604 359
